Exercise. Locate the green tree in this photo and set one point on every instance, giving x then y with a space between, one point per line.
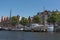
36 19
53 18
14 20
24 21
58 20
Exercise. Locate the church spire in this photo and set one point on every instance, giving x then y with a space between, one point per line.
10 12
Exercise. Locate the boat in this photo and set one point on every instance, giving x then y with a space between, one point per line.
17 29
50 28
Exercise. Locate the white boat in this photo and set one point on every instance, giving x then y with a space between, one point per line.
34 25
50 28
17 29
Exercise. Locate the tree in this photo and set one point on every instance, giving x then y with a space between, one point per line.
36 19
53 18
14 20
58 20
24 21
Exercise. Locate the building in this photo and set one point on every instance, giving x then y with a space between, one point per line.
19 17
5 21
3 18
44 15
30 19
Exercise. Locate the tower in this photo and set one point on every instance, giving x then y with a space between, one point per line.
10 17
10 13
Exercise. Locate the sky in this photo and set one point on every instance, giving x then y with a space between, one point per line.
27 8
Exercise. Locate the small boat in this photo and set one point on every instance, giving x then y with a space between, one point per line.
17 29
50 28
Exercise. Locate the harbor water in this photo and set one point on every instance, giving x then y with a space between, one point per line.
17 35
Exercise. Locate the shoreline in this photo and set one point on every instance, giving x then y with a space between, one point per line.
26 31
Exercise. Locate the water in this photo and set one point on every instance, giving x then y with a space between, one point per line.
17 35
